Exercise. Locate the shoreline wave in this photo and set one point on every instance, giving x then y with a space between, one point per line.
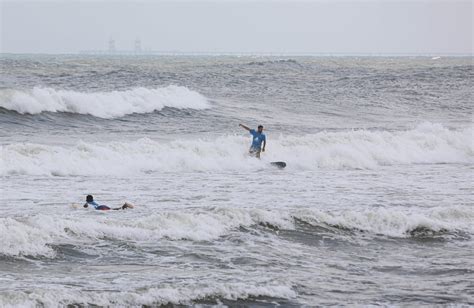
38 235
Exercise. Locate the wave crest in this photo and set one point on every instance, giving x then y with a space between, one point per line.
165 295
427 144
101 104
394 222
38 235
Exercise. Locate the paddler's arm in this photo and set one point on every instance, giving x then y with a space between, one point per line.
244 127
264 144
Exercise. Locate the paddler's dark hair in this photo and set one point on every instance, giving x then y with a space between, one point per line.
89 198
260 126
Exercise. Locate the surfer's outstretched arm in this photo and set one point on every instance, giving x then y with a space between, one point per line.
244 127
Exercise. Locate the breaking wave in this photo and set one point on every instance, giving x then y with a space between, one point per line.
38 235
393 221
165 294
101 104
361 149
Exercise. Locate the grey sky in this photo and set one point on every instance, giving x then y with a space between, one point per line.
241 26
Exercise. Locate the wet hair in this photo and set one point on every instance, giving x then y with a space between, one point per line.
89 198
260 126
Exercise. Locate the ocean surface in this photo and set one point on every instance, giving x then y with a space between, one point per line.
375 206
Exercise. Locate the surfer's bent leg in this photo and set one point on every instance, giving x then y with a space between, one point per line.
254 152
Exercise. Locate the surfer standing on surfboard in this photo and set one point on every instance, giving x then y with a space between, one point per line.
258 137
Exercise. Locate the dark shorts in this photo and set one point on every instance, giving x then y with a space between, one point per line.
254 151
103 208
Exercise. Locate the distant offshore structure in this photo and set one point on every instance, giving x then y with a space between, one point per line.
112 50
138 50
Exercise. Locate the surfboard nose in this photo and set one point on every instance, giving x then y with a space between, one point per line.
279 164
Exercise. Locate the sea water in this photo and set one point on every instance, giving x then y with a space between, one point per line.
375 206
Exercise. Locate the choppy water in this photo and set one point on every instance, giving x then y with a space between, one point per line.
375 206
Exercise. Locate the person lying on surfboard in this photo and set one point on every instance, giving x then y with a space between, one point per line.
258 137
90 201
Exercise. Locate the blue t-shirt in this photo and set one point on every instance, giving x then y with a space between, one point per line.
97 206
257 139
94 204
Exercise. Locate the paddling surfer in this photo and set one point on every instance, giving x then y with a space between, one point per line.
90 201
258 139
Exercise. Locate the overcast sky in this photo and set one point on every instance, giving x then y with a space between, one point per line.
429 27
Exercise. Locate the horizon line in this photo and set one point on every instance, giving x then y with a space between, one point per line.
239 53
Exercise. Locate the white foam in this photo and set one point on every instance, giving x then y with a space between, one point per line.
101 104
426 144
34 235
20 238
165 294
397 222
